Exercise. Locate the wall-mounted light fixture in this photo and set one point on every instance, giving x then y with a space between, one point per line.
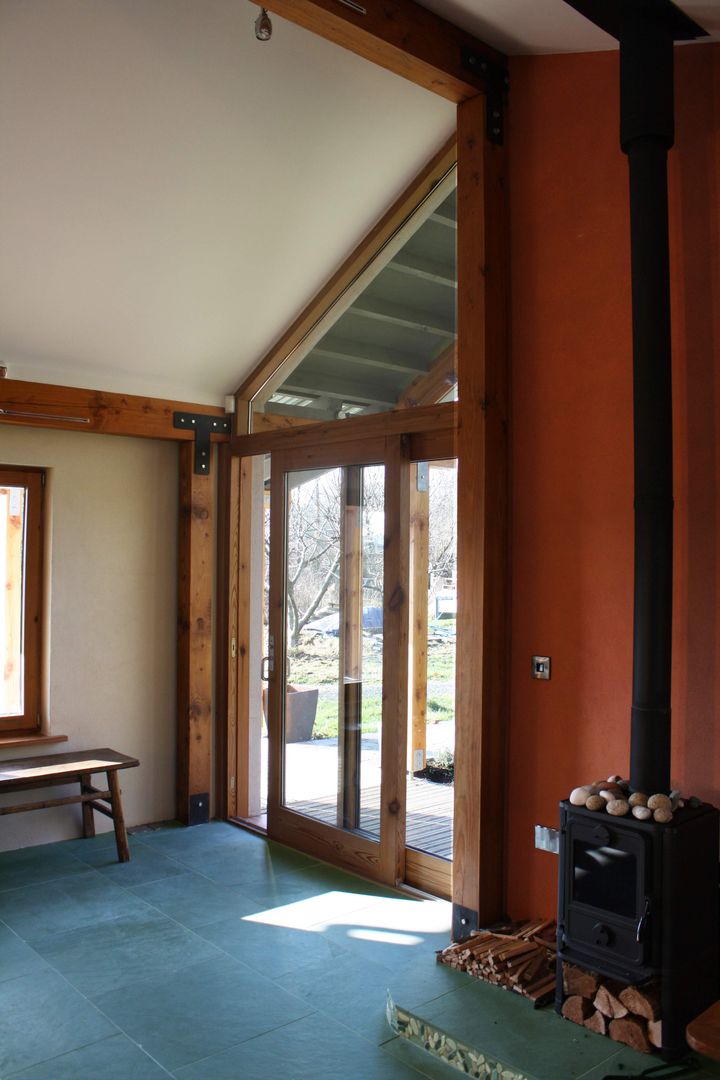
263 26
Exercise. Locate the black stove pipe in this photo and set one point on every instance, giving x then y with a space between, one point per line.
647 30
646 135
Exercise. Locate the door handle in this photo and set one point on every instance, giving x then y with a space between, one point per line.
265 671
642 921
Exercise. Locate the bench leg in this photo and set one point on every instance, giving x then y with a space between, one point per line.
118 818
87 810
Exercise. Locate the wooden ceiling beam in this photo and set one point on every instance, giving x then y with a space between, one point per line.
420 267
400 36
355 428
370 356
71 408
434 384
375 309
341 387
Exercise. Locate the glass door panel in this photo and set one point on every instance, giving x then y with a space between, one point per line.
431 714
333 617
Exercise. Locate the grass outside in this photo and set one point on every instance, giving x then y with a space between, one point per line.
315 663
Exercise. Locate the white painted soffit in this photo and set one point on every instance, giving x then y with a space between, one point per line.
173 191
519 27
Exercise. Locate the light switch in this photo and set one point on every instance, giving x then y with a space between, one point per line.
541 667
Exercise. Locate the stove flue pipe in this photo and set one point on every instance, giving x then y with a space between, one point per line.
646 135
646 30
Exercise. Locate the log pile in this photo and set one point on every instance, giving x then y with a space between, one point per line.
521 959
628 1014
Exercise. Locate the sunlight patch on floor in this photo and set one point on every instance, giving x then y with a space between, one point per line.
387 937
315 913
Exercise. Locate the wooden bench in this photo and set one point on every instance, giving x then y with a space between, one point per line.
24 774
703 1033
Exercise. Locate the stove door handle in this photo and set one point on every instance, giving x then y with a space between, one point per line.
642 921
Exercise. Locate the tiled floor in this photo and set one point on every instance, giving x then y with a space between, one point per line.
215 955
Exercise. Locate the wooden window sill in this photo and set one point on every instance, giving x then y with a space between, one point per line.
28 738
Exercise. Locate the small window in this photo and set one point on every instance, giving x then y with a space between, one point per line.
21 564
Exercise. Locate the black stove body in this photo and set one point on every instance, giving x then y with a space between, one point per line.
638 900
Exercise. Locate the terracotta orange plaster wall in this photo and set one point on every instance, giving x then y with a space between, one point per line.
572 525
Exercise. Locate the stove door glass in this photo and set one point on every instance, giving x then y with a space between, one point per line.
605 877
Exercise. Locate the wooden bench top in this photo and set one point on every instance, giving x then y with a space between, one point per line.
703 1033
57 767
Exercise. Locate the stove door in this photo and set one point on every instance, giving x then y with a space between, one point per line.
607 888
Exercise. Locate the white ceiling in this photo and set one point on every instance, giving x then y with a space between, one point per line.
517 27
173 192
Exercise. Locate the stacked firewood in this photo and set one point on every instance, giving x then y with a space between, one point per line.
520 958
628 1014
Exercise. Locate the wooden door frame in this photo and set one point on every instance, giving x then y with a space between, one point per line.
412 42
428 433
382 859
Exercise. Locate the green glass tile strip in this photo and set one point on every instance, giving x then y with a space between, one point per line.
435 1041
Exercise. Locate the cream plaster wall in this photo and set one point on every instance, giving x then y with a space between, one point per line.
111 615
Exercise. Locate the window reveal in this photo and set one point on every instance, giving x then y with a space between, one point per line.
21 557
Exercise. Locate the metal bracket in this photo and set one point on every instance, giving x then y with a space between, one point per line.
497 84
464 921
199 809
204 426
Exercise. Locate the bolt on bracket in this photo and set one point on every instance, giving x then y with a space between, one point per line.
497 84
204 426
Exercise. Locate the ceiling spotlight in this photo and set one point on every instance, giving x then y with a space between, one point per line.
263 26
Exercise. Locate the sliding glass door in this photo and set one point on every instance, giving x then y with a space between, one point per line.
360 657
336 741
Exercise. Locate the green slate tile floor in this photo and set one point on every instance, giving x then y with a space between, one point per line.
217 955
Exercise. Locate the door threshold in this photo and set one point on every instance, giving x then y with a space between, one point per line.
256 824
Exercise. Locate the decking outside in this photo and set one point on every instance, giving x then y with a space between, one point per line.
312 789
429 814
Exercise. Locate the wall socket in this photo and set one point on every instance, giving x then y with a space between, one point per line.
418 760
547 839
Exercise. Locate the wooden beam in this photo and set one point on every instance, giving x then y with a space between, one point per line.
277 421
343 287
73 409
371 356
425 269
376 309
376 425
482 658
400 36
337 387
396 615
419 564
251 580
194 669
350 645
226 690
429 388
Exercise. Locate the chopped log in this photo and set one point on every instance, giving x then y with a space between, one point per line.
522 961
541 991
642 1001
538 962
538 929
597 1023
654 1031
577 1008
632 1032
608 1004
577 981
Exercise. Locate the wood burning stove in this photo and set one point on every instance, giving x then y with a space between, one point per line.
639 901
